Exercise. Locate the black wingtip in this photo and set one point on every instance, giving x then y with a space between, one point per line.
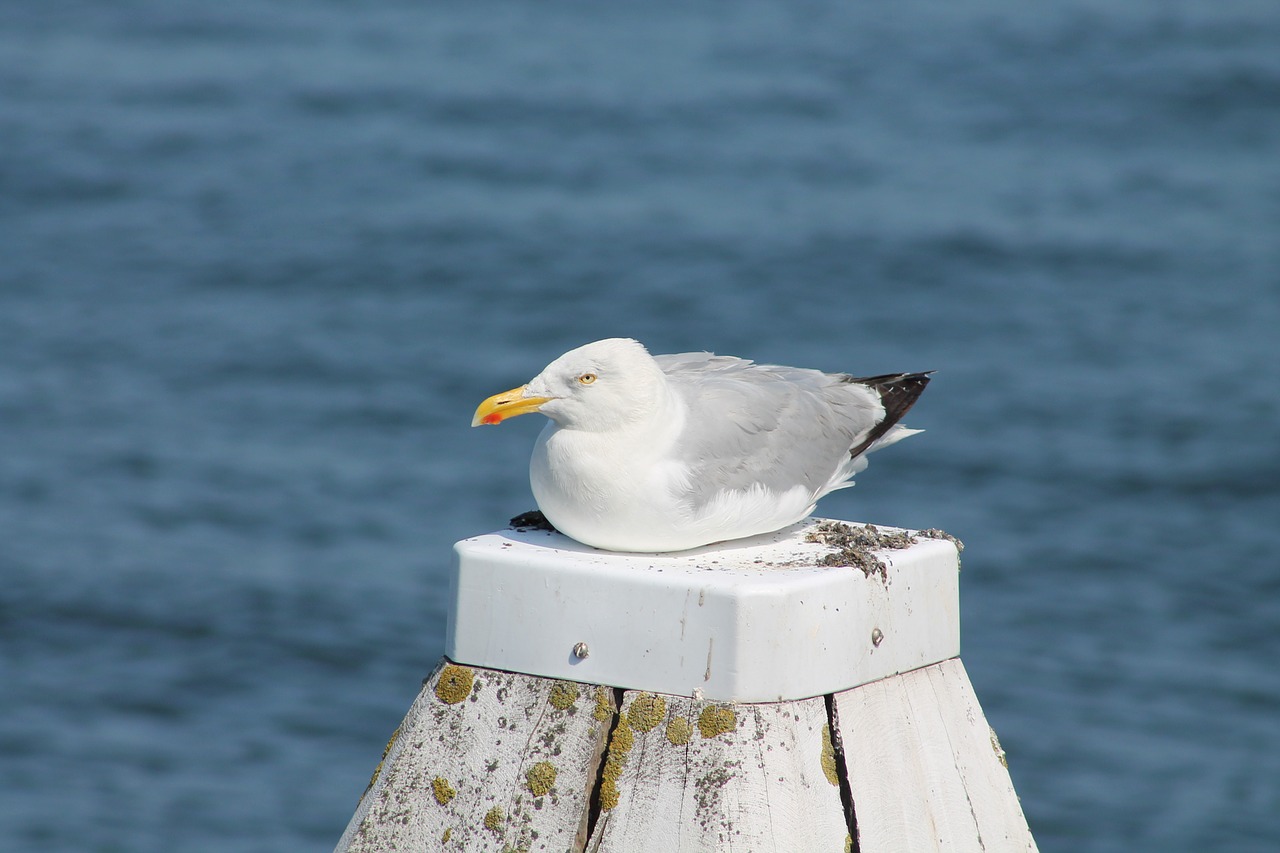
898 393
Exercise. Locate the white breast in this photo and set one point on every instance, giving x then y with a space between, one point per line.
614 491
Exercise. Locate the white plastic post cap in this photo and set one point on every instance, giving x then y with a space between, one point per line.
755 620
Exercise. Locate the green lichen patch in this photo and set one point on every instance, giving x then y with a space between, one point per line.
540 778
620 745
551 736
647 710
455 684
493 820
604 705
563 695
448 833
444 792
848 843
679 731
829 757
716 720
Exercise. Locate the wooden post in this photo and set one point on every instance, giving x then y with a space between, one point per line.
800 691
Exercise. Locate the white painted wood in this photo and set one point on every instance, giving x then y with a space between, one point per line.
471 767
925 768
756 783
700 757
750 621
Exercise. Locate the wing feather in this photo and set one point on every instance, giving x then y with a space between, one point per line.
752 425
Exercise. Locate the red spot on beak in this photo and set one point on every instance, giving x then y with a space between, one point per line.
491 418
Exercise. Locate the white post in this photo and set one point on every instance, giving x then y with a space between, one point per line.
746 696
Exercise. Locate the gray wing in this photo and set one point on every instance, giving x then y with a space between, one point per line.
779 427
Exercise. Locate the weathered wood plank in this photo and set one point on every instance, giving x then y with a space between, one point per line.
924 767
486 760
686 775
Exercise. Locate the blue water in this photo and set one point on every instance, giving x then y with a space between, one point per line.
259 261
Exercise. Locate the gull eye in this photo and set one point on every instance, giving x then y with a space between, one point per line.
586 379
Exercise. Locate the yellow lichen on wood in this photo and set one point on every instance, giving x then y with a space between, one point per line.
609 794
540 778
619 747
679 731
716 720
563 695
448 833
829 768
646 711
623 739
378 770
604 706
443 791
493 819
455 684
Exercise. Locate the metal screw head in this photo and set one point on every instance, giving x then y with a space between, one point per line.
580 651
877 637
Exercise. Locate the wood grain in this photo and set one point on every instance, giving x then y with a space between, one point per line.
698 776
925 770
506 764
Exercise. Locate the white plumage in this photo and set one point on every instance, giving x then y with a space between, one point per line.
667 453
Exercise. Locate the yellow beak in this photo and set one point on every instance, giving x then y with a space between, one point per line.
508 404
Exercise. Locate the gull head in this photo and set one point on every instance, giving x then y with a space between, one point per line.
597 387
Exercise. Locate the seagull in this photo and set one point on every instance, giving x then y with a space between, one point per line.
653 454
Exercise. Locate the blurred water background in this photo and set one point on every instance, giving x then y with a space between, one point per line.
260 260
